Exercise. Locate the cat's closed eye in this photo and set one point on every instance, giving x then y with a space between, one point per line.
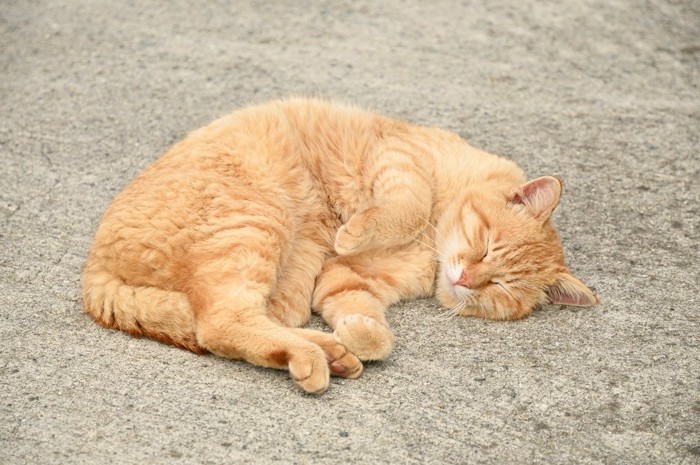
486 251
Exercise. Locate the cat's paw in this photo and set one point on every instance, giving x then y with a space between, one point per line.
365 337
356 235
342 362
310 372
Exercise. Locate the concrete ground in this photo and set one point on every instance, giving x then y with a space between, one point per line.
604 93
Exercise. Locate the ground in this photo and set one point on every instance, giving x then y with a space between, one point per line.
602 93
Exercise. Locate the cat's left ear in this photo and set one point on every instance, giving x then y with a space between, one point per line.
568 290
540 196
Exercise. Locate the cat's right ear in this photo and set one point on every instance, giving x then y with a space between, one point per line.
540 196
569 290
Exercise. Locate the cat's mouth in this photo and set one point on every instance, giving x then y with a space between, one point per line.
462 292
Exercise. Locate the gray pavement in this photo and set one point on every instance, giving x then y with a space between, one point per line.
604 93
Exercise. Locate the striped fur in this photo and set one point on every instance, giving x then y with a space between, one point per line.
226 242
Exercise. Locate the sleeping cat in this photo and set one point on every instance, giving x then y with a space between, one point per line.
225 243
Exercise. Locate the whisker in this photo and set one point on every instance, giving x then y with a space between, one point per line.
527 285
440 245
456 310
519 282
452 312
430 247
437 233
505 289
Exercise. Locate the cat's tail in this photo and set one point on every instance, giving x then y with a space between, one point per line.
140 310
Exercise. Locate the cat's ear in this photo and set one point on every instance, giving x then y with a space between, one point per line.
540 196
568 290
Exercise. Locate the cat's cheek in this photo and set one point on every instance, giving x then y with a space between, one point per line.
446 295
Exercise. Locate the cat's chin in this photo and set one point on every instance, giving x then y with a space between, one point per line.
462 293
451 295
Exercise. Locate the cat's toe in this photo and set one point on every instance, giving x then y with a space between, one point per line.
311 374
346 366
346 243
357 234
365 337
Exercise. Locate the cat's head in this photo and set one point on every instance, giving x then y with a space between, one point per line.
500 256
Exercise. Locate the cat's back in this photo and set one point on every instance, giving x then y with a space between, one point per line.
266 141
256 146
277 154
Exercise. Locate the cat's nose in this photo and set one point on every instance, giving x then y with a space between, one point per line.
467 280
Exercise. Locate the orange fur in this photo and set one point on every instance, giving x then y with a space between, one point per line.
225 243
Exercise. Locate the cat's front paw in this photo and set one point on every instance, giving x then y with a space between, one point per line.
356 235
310 372
365 337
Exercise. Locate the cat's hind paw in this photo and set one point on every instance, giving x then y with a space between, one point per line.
365 337
346 365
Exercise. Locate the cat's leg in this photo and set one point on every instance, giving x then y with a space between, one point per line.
231 298
290 301
233 323
233 272
400 207
290 304
353 292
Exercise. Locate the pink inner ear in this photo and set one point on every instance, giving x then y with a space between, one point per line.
575 299
541 195
529 189
570 291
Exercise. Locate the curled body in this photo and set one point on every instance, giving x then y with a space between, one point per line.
227 242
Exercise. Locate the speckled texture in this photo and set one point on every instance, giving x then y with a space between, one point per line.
605 94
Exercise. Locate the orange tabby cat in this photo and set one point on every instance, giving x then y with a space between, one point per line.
225 243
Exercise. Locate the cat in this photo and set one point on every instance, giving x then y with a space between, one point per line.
226 243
